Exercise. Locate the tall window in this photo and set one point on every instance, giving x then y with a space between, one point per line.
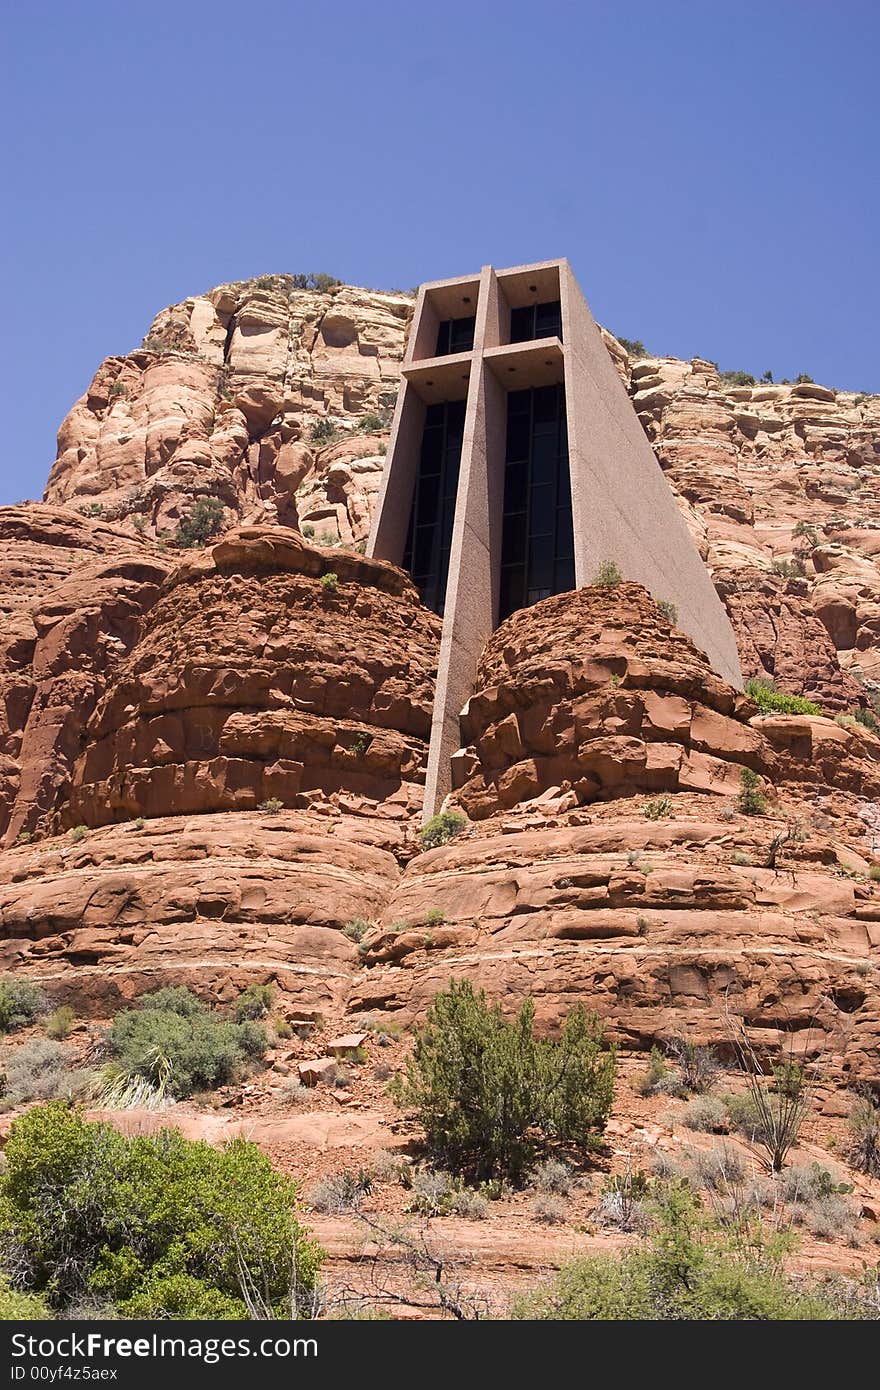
536 321
455 335
433 511
537 543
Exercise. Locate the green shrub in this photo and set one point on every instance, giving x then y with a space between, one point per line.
271 806
551 1176
869 719
204 520
371 423
87 1210
330 582
118 389
21 1307
322 432
737 378
435 917
79 832
487 1092
442 828
608 575
308 531
656 1075
173 1035
705 1113
669 611
771 701
802 377
634 347
356 929
33 1071
20 1003
684 1272
751 800
657 808
863 1144
60 1021
789 569
254 1002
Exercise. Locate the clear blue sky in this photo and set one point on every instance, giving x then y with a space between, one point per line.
710 170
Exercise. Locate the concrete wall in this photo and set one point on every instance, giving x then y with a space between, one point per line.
623 508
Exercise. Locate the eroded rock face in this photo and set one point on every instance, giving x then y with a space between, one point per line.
215 902
266 670
222 400
781 490
596 694
659 927
73 593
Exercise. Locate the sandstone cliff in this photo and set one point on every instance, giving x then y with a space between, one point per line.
212 760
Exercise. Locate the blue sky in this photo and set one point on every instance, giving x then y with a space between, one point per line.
711 171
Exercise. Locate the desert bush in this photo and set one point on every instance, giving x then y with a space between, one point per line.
779 1105
339 1192
180 1297
633 347
442 828
255 1001
659 1077
204 520
623 1200
356 929
669 611
608 575
698 1066
323 432
549 1210
79 832
435 917
737 378
551 1176
33 1071
487 1092
751 800
804 1183
772 701
271 806
174 1034
60 1022
707 1114
472 1205
863 1142
87 1210
21 1307
657 807
330 582
868 719
685 1270
718 1167
293 1092
831 1217
20 1003
432 1192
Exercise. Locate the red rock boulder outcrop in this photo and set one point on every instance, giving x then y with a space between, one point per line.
266 670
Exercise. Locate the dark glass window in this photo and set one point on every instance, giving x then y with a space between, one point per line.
429 537
455 335
536 321
537 543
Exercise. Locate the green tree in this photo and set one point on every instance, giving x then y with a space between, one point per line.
487 1091
87 1210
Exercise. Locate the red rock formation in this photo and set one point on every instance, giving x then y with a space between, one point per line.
222 399
267 669
214 902
74 591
